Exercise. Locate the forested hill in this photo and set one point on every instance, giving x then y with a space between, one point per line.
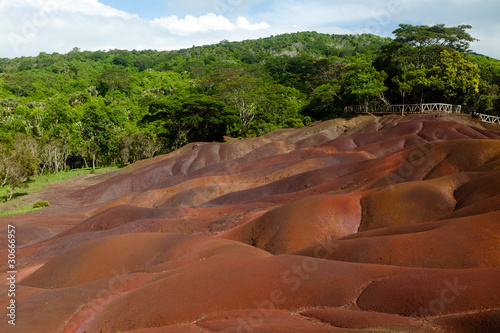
246 52
117 106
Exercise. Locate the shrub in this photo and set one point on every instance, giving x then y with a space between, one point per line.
294 123
41 204
307 120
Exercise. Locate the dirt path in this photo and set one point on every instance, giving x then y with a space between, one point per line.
64 212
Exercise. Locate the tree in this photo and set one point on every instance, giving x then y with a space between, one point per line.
419 63
122 58
114 79
414 85
324 102
419 47
240 91
456 77
18 164
423 36
97 131
58 115
278 104
143 146
20 85
175 117
124 148
362 84
52 155
143 62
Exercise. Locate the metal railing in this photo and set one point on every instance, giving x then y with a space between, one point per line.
487 118
404 108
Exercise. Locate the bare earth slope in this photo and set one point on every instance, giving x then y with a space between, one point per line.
362 225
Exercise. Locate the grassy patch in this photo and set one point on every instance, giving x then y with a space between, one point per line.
21 203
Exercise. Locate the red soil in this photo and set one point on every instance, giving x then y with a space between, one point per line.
361 225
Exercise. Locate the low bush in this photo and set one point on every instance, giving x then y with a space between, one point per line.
41 204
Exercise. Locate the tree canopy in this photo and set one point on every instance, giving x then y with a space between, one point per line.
430 63
423 36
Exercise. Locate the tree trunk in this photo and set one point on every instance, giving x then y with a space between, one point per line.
6 179
10 195
57 160
403 111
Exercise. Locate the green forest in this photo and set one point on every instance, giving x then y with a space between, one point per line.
90 109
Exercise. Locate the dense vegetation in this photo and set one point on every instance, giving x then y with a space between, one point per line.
60 111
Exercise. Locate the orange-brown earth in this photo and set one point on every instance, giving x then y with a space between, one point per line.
362 225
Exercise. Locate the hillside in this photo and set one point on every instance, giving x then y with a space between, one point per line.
88 109
112 108
249 51
367 224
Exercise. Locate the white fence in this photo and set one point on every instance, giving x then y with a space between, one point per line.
404 108
488 119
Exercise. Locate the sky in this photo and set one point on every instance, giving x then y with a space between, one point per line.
28 27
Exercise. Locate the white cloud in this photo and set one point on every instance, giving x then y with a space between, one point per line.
94 8
191 24
86 7
204 23
243 23
34 26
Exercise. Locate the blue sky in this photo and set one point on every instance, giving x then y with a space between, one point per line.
147 9
28 27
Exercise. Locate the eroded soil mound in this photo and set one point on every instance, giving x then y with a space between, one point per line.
361 225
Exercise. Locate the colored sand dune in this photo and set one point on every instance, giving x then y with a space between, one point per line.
362 225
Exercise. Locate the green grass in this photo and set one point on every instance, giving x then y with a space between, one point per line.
21 202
